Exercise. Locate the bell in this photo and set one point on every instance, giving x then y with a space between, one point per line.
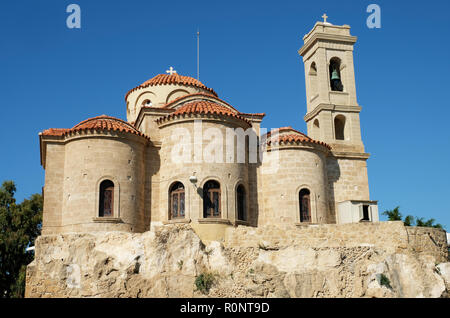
335 75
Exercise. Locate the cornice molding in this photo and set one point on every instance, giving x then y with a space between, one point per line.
350 155
331 107
346 39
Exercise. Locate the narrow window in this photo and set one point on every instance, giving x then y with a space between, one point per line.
339 127
313 81
176 200
335 75
316 129
313 69
366 213
240 200
106 208
211 200
305 206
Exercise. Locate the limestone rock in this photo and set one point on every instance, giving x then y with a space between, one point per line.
166 261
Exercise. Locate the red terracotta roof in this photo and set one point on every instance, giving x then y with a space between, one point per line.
199 95
176 79
206 95
102 122
204 107
290 135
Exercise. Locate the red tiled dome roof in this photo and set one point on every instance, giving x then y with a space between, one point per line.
176 79
102 122
204 107
290 135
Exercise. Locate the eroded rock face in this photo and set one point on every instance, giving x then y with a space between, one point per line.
166 261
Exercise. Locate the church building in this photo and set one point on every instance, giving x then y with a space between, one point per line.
107 174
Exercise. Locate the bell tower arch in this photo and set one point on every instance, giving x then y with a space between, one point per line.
330 87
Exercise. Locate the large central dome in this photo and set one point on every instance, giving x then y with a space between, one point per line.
173 79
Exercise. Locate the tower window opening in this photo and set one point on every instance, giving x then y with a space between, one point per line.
339 127
335 75
316 129
313 69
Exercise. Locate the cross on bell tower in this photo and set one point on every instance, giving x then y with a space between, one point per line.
325 17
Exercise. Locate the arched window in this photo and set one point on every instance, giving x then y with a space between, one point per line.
240 203
305 205
335 75
339 127
313 69
313 81
176 200
316 129
106 208
211 200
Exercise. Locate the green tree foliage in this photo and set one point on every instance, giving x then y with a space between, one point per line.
395 215
428 223
20 224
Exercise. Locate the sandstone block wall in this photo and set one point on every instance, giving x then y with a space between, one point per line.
296 169
428 241
391 236
229 175
53 189
75 170
348 180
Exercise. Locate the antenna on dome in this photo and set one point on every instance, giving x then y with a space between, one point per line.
198 54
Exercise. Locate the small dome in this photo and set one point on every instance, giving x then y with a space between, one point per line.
102 122
290 135
174 79
205 107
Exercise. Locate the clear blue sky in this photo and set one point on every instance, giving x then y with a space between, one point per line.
55 77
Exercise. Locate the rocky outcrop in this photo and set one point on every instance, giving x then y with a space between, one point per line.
169 261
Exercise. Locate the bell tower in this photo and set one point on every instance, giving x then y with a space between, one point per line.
333 117
332 107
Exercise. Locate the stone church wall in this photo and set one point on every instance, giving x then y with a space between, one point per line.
229 175
296 169
89 160
392 236
348 180
53 189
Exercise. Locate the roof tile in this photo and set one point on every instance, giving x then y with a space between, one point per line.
102 122
204 107
290 135
176 79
